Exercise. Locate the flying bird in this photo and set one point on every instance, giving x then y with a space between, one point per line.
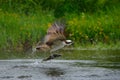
54 40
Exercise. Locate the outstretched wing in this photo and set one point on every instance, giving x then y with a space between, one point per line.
54 33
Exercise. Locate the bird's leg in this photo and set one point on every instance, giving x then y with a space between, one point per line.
52 56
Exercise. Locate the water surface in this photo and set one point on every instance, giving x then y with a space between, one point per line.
73 65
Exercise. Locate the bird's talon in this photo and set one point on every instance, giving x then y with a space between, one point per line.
52 57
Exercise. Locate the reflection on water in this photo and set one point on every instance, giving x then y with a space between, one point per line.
94 65
6 77
24 76
54 72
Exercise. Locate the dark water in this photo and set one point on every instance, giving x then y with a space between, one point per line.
74 65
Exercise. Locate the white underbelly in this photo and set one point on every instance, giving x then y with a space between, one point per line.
57 48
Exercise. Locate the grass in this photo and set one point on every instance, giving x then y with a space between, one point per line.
100 26
19 32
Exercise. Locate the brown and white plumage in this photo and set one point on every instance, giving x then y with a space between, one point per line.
54 36
54 39
54 33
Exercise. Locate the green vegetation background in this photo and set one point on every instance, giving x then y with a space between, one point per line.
89 22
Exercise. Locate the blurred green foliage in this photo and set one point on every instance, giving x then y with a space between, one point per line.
24 22
59 7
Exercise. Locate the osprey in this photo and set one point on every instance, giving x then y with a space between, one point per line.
53 40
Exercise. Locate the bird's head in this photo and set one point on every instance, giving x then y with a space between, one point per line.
68 42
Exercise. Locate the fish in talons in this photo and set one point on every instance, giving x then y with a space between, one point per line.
52 56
